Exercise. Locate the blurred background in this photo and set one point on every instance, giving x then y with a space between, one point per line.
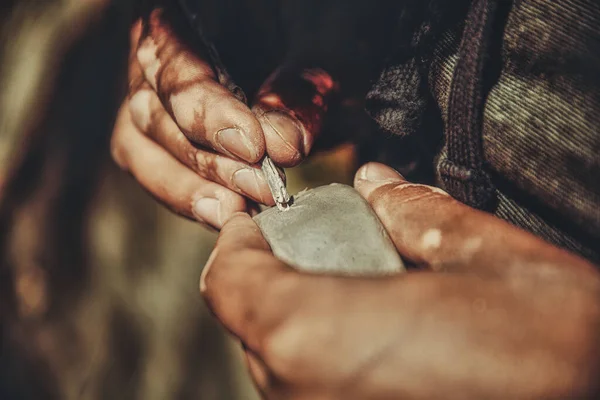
99 284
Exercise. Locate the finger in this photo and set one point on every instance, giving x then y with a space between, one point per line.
168 180
205 111
428 226
290 107
245 286
151 119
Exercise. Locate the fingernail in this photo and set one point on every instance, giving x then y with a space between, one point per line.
235 141
372 176
206 268
251 182
209 210
377 172
288 130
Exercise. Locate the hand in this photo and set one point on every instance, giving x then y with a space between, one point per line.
192 143
510 316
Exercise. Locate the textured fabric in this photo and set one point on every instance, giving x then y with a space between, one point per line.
541 130
541 113
462 171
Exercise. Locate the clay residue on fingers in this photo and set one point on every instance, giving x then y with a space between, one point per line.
431 239
148 59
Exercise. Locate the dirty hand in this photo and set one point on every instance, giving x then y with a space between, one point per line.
195 146
497 313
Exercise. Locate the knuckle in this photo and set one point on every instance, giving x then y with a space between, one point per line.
192 155
206 164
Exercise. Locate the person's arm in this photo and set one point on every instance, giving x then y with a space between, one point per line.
496 313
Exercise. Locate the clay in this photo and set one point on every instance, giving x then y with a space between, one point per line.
333 230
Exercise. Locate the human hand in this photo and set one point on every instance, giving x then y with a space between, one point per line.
506 315
192 143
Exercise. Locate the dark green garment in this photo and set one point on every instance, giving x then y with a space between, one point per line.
518 100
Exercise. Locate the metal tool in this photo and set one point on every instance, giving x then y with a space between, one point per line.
276 184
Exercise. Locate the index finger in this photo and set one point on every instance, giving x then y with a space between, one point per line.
205 111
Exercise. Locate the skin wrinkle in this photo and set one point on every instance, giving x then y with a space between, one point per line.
206 164
432 189
416 197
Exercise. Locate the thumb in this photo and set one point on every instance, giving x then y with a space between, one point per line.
290 107
244 285
430 227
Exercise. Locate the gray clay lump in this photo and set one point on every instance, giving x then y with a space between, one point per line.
333 230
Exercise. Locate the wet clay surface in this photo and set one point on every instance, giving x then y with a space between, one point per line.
331 229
